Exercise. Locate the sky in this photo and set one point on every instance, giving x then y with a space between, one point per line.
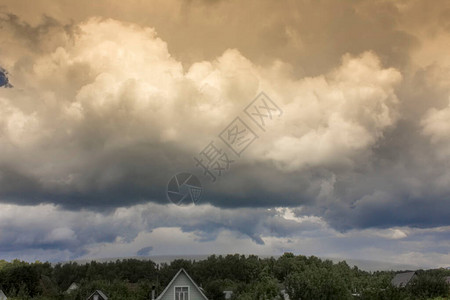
329 122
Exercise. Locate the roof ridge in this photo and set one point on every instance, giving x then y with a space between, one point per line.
173 279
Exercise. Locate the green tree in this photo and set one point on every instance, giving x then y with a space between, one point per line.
316 283
428 286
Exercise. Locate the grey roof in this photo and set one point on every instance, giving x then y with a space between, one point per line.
402 279
2 295
173 279
100 293
228 294
72 287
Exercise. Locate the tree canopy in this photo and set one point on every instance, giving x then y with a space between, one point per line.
249 277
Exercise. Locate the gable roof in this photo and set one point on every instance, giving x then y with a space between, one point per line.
72 287
2 295
175 277
100 293
402 279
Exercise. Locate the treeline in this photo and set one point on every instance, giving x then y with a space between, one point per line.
249 277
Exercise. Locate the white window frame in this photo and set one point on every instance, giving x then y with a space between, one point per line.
181 286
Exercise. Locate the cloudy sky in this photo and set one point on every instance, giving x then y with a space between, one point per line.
103 102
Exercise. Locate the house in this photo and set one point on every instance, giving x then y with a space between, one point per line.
2 295
284 294
227 294
447 280
72 288
402 279
182 287
97 295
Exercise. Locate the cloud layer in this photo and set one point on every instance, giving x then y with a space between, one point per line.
109 103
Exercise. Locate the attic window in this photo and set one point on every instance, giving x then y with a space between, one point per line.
181 293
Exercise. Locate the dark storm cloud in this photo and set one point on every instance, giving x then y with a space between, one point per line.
311 36
73 231
99 131
145 251
32 36
252 222
122 178
4 81
69 235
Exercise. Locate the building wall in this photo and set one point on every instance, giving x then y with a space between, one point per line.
182 280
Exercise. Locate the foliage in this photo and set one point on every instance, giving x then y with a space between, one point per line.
428 286
249 277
